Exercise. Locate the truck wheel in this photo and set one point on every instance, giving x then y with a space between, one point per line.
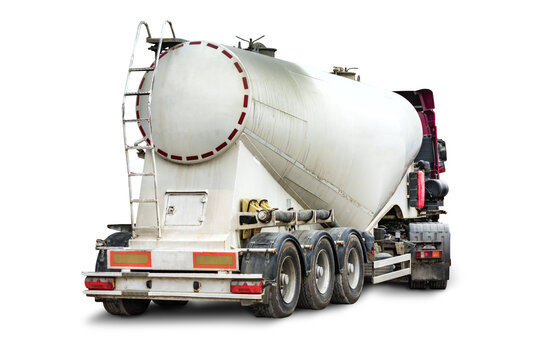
416 284
125 306
170 303
438 284
283 296
318 286
349 284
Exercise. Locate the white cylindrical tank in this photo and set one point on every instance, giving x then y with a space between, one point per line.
331 142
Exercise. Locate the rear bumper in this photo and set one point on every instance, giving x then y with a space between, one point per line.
174 286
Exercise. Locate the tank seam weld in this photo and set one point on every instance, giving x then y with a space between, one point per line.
307 171
281 111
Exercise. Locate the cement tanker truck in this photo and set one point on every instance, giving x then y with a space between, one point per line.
270 184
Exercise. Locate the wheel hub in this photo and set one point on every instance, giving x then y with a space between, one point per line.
320 271
353 268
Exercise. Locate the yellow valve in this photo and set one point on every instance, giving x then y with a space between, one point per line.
253 205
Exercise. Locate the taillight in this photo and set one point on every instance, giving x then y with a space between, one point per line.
247 287
95 283
428 254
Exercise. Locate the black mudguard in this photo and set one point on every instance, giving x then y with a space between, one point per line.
342 234
266 263
312 238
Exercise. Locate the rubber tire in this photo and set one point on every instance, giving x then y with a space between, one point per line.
418 284
343 293
438 284
170 303
310 296
275 306
125 307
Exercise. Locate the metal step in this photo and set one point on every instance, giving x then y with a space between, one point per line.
146 227
142 69
135 120
141 174
141 201
138 147
137 93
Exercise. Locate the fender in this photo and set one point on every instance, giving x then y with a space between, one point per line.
342 234
118 239
312 238
266 263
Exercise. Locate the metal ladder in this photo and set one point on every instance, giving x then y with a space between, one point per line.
150 148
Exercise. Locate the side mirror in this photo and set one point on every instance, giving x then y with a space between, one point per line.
442 149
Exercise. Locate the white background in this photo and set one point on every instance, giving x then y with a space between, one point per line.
63 176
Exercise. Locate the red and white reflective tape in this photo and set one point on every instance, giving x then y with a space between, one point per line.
234 132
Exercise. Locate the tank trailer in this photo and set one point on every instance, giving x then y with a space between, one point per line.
264 182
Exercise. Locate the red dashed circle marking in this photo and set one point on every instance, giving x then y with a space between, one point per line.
221 146
161 152
238 67
233 133
240 120
142 130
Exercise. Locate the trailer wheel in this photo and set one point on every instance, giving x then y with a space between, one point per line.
170 303
417 284
349 284
125 306
438 284
283 296
317 287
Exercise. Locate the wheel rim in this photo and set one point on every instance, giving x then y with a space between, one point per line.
353 268
322 271
287 280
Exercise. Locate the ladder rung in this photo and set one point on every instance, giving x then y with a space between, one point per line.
143 69
143 200
137 93
145 227
137 147
141 174
136 120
